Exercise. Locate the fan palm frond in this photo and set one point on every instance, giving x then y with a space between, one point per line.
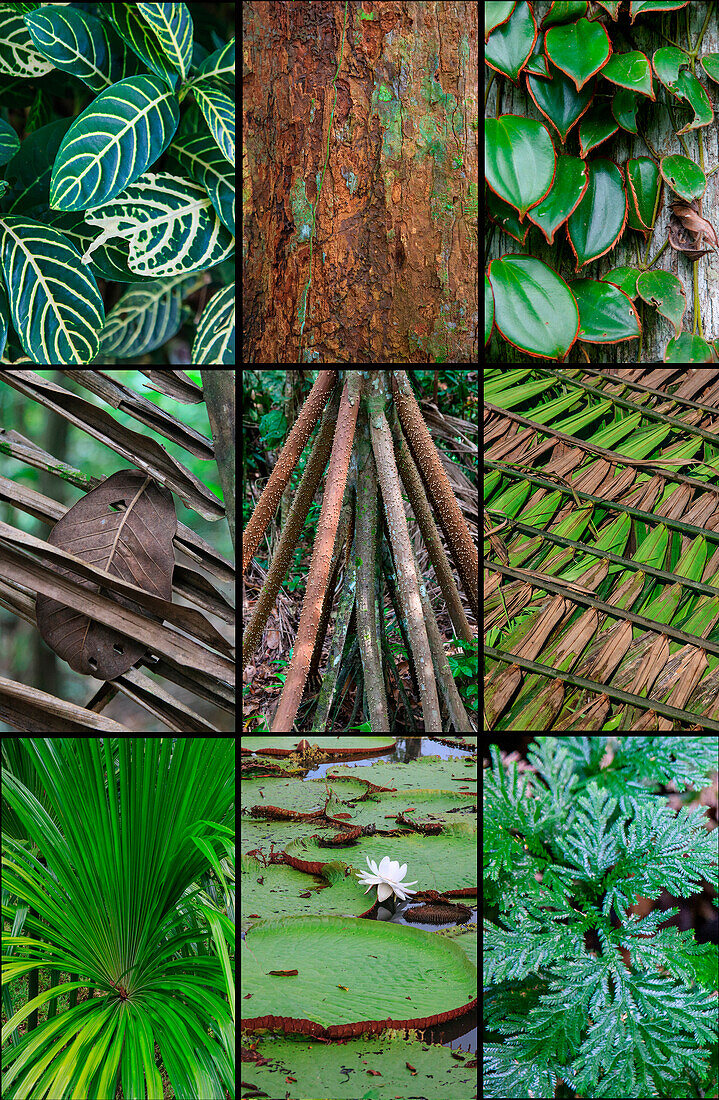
602 549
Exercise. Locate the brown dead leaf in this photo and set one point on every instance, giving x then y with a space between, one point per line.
688 231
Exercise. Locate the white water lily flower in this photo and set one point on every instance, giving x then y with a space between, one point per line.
387 878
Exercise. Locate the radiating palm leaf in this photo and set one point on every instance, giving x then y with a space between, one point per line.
603 489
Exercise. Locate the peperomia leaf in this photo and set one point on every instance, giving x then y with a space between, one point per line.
509 46
505 215
583 70
496 12
607 316
625 278
687 348
579 49
488 309
694 92
630 70
625 105
598 222
570 183
596 126
665 292
710 64
534 309
519 160
559 100
113 142
683 176
644 187
668 62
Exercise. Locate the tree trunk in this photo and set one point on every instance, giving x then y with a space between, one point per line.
360 182
646 35
363 454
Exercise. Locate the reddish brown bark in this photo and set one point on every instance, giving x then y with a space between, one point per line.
394 267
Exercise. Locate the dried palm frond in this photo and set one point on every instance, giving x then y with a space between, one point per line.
606 486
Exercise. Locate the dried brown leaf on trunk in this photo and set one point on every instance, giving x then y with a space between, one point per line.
126 527
688 231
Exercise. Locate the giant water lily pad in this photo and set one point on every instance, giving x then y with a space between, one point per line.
280 890
341 976
374 1066
290 793
446 863
459 773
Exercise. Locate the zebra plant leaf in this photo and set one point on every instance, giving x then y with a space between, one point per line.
18 54
221 64
55 305
197 155
144 318
78 43
9 142
171 225
173 29
161 34
64 156
219 111
215 341
113 142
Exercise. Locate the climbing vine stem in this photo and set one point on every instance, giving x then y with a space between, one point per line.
306 291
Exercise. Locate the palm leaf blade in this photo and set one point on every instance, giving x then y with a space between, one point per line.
610 623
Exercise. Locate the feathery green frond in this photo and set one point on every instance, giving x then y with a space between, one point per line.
577 987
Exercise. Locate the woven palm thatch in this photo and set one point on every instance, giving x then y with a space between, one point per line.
601 549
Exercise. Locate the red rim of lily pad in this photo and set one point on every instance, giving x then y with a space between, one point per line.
343 987
330 746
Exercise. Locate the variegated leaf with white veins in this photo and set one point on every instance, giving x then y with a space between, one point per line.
56 308
113 142
171 225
